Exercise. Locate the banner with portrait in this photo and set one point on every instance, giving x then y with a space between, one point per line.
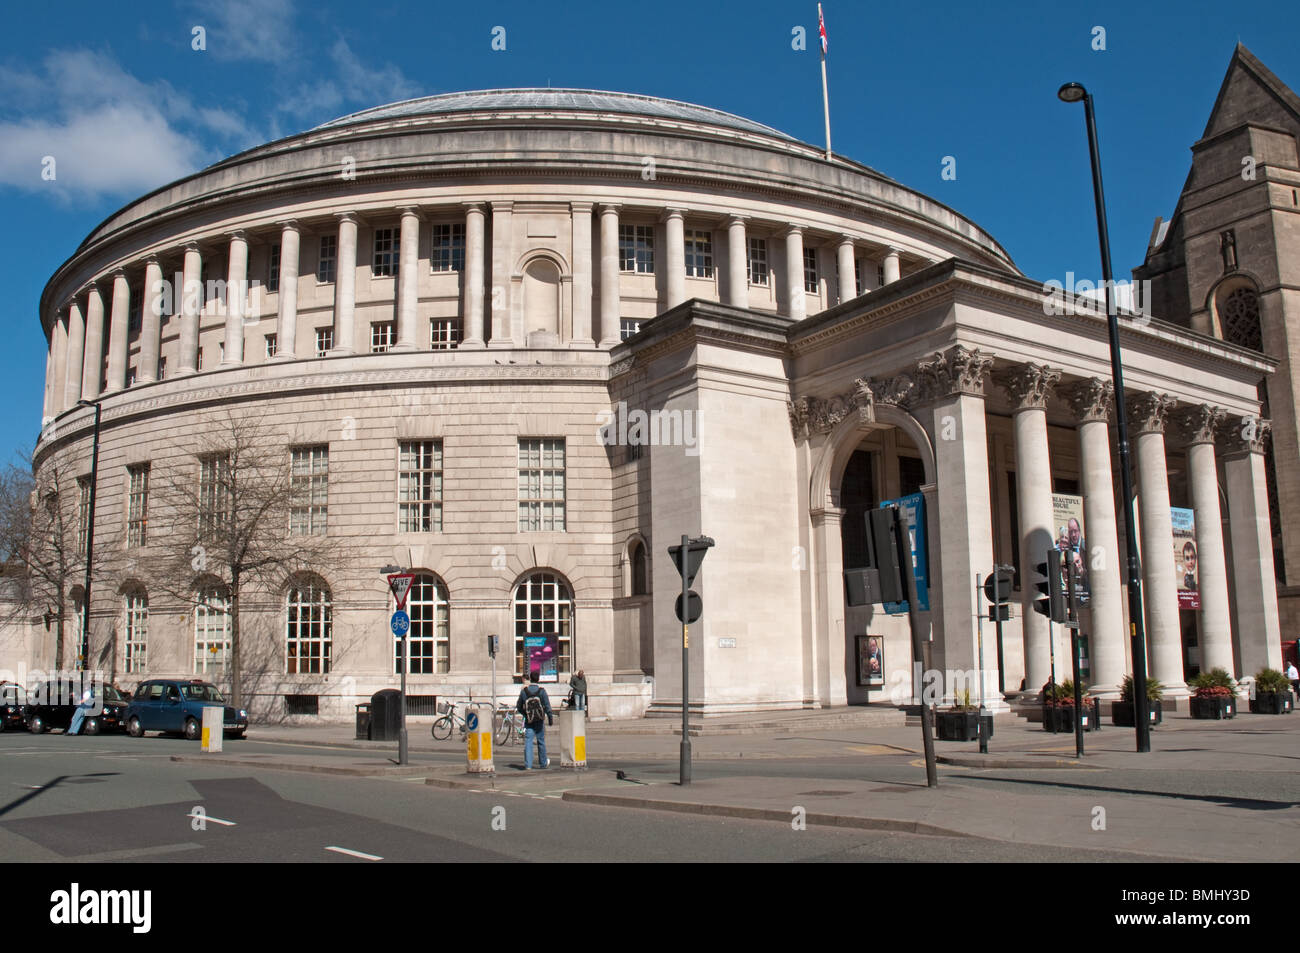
1187 566
871 661
1067 518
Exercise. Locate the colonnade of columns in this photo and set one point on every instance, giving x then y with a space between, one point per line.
90 345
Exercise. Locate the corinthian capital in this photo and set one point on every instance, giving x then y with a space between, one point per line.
1200 424
958 370
1090 400
1149 410
1246 435
1029 385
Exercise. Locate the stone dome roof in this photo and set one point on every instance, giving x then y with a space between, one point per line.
555 100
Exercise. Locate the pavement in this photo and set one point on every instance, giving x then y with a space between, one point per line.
1224 791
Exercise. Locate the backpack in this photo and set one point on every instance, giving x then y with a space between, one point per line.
534 710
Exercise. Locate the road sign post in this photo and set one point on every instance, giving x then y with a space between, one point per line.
399 584
687 558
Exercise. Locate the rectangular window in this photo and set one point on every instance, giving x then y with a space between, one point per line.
162 367
273 270
212 630
628 327
444 333
309 475
541 484
758 261
137 506
810 277
880 276
137 631
271 345
324 341
636 248
305 704
327 263
449 248
214 495
383 335
83 514
135 311
699 254
386 253
859 274
419 486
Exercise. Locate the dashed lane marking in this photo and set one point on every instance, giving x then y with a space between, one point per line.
354 853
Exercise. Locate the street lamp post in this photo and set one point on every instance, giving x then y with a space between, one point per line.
402 750
84 645
1073 93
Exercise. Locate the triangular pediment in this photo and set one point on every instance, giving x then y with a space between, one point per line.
1251 93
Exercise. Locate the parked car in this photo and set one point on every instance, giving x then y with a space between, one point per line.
53 704
170 704
12 700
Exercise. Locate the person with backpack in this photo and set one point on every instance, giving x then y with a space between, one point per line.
535 706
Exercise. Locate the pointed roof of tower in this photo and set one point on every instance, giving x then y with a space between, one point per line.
1251 92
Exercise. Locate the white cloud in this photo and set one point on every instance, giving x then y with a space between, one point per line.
354 84
260 30
107 131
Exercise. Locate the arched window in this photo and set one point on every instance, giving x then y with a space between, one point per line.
430 637
640 571
212 630
1239 318
310 628
136 604
543 606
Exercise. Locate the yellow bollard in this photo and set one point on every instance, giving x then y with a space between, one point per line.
573 738
478 740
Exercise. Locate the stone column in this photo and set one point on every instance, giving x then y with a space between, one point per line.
581 212
474 270
795 298
1200 425
737 263
1029 386
191 307
954 382
830 682
150 323
893 272
1092 401
1259 631
610 296
503 261
674 229
286 329
345 286
117 334
51 399
92 363
1159 584
71 384
236 287
408 281
847 270
62 372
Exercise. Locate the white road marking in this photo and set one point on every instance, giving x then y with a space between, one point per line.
353 853
214 820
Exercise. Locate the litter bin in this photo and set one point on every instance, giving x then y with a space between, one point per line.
385 715
363 722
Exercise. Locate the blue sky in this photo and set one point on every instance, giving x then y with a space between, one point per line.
116 93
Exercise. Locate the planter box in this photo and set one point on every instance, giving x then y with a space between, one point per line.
1062 719
1121 713
1217 707
1272 703
961 725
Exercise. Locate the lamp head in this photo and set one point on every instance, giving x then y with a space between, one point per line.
1071 93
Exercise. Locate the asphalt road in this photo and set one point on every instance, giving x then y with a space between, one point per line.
118 799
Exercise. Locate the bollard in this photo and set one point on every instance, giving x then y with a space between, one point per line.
478 741
213 715
573 739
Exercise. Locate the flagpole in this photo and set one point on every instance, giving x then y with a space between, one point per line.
826 102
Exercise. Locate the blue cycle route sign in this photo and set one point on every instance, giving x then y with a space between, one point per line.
401 622
471 721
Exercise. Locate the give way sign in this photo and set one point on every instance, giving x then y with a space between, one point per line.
400 584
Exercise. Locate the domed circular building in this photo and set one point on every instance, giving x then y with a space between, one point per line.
519 342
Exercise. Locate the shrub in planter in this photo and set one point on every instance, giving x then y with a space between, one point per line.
1122 711
1272 693
961 722
1213 701
1058 708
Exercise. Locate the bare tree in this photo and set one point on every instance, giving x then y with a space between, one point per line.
42 544
235 515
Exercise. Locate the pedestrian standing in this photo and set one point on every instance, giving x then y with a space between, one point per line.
1294 676
578 685
535 706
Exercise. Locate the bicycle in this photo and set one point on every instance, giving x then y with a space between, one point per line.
508 725
449 718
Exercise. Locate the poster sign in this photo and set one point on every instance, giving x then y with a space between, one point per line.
911 513
871 661
542 654
1067 512
1186 563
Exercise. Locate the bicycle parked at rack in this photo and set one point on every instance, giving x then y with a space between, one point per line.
449 718
508 725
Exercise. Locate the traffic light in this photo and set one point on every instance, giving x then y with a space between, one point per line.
997 589
883 529
1051 601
